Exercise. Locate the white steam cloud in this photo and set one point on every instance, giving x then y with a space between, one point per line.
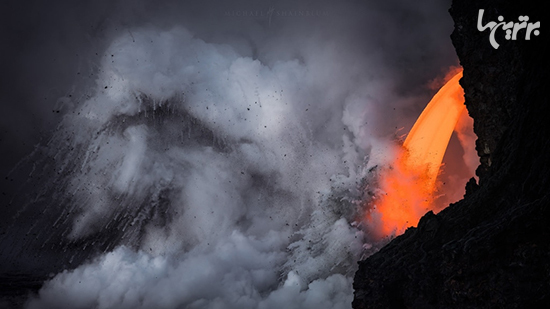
223 162
251 215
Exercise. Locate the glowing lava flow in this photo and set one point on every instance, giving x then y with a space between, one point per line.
408 186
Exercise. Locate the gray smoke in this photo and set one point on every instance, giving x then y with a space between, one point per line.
222 147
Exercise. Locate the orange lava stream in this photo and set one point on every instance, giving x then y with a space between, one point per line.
408 185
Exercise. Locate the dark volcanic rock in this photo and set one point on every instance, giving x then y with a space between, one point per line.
491 249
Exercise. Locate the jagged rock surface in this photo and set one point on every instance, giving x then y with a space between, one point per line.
491 249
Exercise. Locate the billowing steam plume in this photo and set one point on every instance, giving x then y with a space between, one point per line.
223 166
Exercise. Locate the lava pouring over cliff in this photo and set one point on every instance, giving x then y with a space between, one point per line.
409 185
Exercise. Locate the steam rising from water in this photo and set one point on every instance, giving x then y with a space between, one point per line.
211 167
210 172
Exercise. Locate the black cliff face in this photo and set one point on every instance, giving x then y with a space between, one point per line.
491 249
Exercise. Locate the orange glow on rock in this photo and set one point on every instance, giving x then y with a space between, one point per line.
409 184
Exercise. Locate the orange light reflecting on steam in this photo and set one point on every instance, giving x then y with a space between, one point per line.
408 186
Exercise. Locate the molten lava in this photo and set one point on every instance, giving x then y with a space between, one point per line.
408 185
428 139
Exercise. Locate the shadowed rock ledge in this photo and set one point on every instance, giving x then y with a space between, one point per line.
491 249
